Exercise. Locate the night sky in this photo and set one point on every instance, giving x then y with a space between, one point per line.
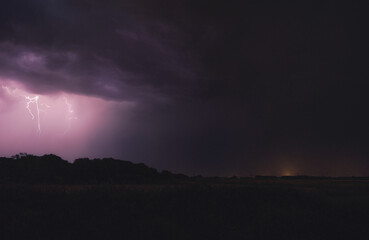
199 87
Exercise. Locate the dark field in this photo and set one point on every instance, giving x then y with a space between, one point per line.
217 209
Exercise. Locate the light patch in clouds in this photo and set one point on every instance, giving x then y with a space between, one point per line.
31 61
68 122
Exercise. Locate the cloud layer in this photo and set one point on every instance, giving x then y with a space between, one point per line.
210 88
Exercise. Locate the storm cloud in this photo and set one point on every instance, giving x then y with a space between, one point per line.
237 87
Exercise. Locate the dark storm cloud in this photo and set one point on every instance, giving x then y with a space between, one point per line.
240 83
45 71
94 48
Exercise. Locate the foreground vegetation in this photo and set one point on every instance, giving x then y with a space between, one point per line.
49 198
201 209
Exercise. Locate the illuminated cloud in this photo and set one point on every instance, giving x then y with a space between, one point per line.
60 123
198 88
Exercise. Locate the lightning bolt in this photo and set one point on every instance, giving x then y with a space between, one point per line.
35 107
35 101
10 92
70 115
29 101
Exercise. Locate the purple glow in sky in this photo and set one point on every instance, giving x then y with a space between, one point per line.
214 89
64 125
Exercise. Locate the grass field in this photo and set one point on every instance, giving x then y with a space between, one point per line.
229 209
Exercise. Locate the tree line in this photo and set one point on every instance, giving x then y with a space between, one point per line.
51 169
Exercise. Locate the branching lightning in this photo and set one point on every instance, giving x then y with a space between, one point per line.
35 107
35 101
29 101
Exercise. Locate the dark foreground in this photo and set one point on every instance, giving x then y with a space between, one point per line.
235 209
